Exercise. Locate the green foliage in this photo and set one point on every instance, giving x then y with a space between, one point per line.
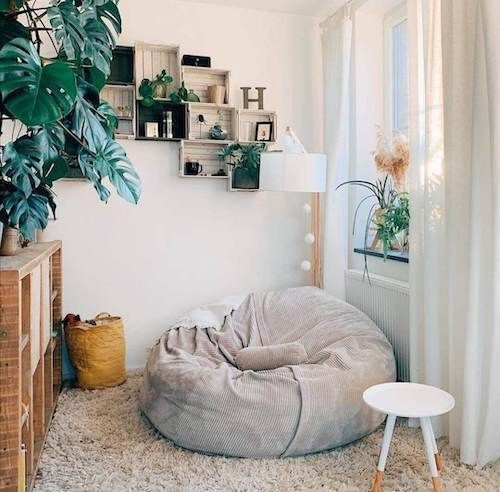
148 88
34 93
389 213
57 99
243 156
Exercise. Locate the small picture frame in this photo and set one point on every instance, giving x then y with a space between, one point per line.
152 129
264 131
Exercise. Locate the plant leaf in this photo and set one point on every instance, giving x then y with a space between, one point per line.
112 162
27 213
84 123
108 114
97 48
11 29
65 21
105 13
10 5
34 94
23 162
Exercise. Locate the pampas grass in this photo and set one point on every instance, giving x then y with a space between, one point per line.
393 158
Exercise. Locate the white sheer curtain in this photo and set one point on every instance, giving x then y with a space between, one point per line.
337 40
455 230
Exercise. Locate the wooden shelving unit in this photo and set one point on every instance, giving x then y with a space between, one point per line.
30 358
132 64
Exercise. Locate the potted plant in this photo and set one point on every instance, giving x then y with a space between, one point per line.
52 103
244 161
156 88
389 213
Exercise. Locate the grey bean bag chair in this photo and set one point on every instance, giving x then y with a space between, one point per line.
196 396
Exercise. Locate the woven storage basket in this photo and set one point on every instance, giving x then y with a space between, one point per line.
97 350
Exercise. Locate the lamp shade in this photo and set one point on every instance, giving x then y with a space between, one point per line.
282 171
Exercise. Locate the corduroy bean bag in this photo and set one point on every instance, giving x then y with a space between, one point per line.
195 394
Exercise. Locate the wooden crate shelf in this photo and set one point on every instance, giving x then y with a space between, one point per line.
205 155
151 59
30 358
224 115
122 99
199 79
246 124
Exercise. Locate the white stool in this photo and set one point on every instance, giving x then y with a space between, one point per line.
413 401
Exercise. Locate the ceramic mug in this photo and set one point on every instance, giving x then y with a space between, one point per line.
192 168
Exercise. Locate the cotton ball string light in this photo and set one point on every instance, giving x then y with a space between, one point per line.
309 238
306 266
307 208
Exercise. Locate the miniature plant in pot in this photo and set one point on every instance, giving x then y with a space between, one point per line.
52 105
245 161
389 213
156 88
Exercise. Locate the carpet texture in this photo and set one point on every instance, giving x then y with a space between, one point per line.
99 442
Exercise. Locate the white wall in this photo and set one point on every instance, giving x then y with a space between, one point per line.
189 241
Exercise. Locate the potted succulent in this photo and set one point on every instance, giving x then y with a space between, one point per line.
244 161
52 105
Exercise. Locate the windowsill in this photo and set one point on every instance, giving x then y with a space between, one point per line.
392 255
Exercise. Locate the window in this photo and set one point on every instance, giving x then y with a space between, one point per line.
396 68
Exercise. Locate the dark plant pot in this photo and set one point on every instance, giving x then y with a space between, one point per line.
245 180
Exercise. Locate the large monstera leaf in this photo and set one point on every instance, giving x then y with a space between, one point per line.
65 21
23 162
28 213
112 162
97 48
35 94
106 13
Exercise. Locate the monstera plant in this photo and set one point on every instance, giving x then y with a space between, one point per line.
54 61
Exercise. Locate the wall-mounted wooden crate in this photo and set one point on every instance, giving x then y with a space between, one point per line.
200 79
155 114
206 154
225 115
247 120
151 59
122 99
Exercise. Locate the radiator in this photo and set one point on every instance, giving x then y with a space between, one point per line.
387 303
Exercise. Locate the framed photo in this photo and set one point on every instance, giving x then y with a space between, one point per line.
152 129
264 131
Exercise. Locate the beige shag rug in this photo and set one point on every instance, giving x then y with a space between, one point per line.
99 442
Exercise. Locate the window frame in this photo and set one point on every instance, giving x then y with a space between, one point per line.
392 19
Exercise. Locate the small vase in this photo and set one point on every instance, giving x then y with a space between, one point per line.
10 242
160 92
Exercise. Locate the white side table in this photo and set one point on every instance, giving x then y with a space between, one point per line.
413 401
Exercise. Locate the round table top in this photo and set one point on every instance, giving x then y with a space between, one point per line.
409 400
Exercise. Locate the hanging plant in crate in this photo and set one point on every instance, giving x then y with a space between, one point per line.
244 161
51 106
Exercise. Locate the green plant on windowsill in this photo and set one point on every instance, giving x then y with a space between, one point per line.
53 107
389 214
245 161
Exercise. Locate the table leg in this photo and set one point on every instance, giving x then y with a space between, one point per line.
384 451
430 446
437 456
